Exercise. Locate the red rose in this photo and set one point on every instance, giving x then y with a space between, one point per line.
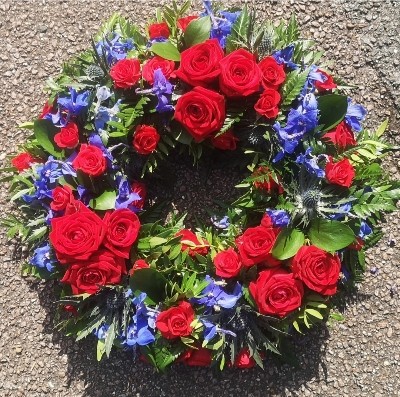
101 269
266 221
267 183
183 23
200 64
201 112
139 264
166 66
341 136
227 263
75 206
140 189
243 359
68 137
90 160
240 75
190 242
76 236
267 104
276 292
255 245
226 141
24 160
197 357
125 73
341 173
159 30
327 84
272 74
146 139
62 196
71 309
122 227
318 269
176 321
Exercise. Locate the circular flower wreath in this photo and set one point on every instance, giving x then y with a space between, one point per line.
230 293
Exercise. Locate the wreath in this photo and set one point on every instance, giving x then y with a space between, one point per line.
223 86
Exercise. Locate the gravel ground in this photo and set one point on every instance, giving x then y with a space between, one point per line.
358 357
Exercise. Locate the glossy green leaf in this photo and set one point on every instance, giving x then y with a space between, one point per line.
288 243
332 109
44 131
106 201
150 281
197 31
166 50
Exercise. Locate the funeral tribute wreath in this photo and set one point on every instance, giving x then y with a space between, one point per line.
231 292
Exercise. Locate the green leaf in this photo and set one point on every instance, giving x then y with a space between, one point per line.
197 31
382 128
330 235
332 109
101 348
288 243
293 85
150 281
105 201
166 50
44 131
28 125
314 313
110 336
239 31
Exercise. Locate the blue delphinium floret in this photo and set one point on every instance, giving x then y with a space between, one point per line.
162 88
285 56
114 48
312 163
355 115
280 218
42 258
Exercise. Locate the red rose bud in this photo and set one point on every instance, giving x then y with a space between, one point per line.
47 108
357 245
198 357
68 137
139 264
183 23
272 74
267 105
166 66
267 184
342 136
341 173
159 30
175 322
226 141
200 64
24 160
327 84
243 359
122 227
140 189
125 73
201 112
62 196
70 309
240 75
318 269
276 292
90 160
196 246
227 263
145 139
103 268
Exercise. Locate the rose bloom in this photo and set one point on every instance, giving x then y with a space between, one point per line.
90 160
166 66
159 30
140 189
145 139
200 64
102 268
62 196
226 141
24 160
175 321
122 230
139 264
267 104
240 75
272 74
255 245
276 292
342 136
243 359
268 185
197 357
201 247
68 137
318 269
341 173
76 236
125 73
227 263
201 112
327 85
183 23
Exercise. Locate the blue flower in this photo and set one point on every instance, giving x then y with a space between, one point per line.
101 332
125 195
280 218
311 163
210 330
365 230
42 258
162 88
113 48
355 115
285 56
341 211
313 76
223 223
103 93
75 104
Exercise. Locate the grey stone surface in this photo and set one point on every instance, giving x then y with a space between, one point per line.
358 357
